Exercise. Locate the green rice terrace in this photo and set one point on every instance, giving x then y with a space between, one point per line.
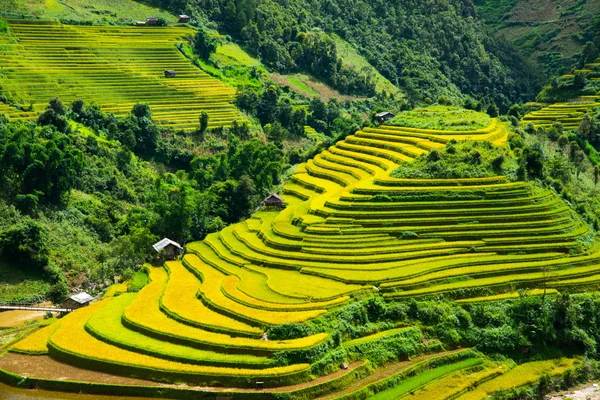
113 66
569 113
206 325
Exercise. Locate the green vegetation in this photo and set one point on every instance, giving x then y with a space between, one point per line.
550 34
406 51
461 160
122 12
449 252
441 117
415 382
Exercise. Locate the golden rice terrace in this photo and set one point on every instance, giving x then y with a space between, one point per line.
348 229
113 66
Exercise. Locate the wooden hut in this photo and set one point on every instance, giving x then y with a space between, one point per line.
139 23
184 19
384 116
151 21
170 73
274 201
77 301
169 248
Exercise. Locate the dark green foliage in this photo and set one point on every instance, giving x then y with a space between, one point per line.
96 208
460 160
427 48
37 163
25 244
203 122
204 43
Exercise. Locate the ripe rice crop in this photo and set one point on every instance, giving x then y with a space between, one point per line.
144 315
520 376
114 66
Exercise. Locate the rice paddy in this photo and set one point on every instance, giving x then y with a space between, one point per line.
569 114
348 230
113 66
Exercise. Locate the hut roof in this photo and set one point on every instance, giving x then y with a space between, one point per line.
383 114
158 246
274 196
182 16
82 298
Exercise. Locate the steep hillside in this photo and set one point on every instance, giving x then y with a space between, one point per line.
83 11
116 67
428 49
304 298
550 32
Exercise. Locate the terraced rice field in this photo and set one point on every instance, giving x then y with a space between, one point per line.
201 320
113 66
571 113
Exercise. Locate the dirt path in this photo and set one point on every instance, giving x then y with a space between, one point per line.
383 373
47 368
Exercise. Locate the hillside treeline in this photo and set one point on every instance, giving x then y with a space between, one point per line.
427 48
85 194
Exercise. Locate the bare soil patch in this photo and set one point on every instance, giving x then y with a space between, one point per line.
16 318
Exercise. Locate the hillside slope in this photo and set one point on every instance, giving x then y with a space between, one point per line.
428 48
550 32
351 234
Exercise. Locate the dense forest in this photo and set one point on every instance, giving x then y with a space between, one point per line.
428 49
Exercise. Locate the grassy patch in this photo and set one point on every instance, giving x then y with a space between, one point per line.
442 118
139 280
21 284
97 11
410 384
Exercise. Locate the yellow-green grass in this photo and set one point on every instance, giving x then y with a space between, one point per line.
99 11
526 278
305 287
115 67
144 315
457 383
37 342
231 290
212 294
494 265
410 384
106 325
351 56
180 302
436 118
521 375
376 336
72 342
417 272
509 296
257 285
116 289
234 54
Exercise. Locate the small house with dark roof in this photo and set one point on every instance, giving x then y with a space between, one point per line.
151 21
170 73
384 116
184 18
77 301
274 201
169 248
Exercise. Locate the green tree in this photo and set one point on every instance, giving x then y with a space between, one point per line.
203 122
25 244
205 44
